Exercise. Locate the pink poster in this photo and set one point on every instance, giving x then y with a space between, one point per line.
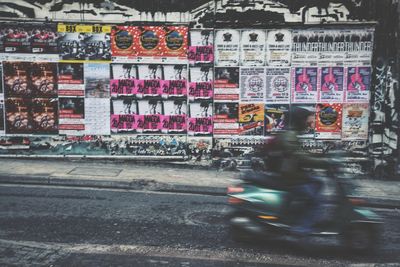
125 123
331 84
174 88
200 126
200 90
153 123
149 88
124 87
304 85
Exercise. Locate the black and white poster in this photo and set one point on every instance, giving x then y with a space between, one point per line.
227 44
279 45
252 48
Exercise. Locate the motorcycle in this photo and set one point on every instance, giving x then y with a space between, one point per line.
265 207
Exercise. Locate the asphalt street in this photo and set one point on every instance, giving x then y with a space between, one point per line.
67 226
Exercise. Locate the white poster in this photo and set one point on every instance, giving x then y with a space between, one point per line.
279 46
355 121
227 47
277 85
252 84
305 50
252 48
97 116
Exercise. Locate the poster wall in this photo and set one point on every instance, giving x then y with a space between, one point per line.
355 121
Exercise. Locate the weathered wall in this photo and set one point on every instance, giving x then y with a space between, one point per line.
384 122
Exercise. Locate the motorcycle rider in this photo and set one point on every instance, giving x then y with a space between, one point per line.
286 157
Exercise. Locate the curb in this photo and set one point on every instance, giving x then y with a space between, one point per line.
135 184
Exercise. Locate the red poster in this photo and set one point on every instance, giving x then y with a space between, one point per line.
124 40
149 41
174 42
328 121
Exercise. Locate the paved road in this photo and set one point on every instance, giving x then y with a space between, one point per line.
63 226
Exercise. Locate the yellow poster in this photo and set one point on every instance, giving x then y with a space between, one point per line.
251 112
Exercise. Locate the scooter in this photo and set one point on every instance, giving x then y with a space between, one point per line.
264 207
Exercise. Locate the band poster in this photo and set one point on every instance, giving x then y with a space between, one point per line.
84 42
227 47
304 85
279 46
251 119
201 82
332 79
355 121
277 85
252 48
276 118
71 79
28 38
328 121
226 84
201 49
72 115
358 84
305 50
226 118
252 84
18 115
200 120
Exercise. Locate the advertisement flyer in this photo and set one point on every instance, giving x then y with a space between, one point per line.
200 118
279 46
18 117
154 123
201 82
358 46
84 42
97 80
252 84
43 79
123 41
226 118
276 118
17 79
227 47
252 48
251 119
309 132
355 121
174 42
331 79
44 115
71 79
328 121
175 81
15 38
123 79
150 39
304 85
44 38
97 116
277 85
71 115
305 47
126 123
226 83
358 84
201 49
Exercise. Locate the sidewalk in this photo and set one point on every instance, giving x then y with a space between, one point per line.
167 177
